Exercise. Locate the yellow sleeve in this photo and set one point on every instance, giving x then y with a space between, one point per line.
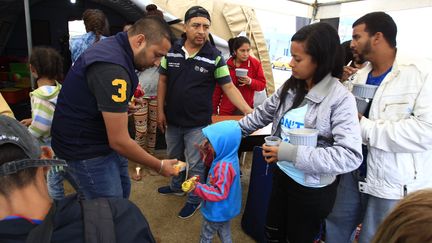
4 108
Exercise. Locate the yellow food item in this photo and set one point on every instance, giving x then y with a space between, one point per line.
187 185
180 166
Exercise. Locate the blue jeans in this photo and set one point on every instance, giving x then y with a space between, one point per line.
55 184
103 176
182 144
352 208
210 228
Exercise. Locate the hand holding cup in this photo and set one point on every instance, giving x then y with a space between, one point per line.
241 74
271 148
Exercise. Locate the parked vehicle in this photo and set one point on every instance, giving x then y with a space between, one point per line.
282 63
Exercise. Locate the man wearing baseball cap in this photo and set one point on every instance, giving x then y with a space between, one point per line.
28 214
188 76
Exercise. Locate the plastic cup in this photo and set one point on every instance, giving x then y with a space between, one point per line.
241 72
272 141
304 136
366 91
362 104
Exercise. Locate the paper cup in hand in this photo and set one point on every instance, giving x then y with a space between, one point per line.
272 141
366 91
362 104
303 136
241 72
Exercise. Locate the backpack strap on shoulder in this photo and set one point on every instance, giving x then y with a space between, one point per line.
43 232
98 221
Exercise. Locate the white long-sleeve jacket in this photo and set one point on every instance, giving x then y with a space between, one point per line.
398 132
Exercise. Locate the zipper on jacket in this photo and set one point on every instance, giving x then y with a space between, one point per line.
415 170
405 190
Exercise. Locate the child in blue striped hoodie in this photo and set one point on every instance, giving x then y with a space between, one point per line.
222 192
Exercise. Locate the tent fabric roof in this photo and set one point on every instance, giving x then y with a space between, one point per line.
228 20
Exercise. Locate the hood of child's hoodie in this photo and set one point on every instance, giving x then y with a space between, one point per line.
225 138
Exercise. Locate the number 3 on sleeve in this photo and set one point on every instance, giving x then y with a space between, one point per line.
121 96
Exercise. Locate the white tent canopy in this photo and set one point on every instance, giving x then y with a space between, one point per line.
332 8
407 14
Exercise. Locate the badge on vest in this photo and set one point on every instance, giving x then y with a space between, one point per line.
201 69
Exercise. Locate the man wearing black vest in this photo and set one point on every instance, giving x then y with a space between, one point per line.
188 75
89 128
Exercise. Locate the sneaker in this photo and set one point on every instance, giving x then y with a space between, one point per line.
188 210
166 190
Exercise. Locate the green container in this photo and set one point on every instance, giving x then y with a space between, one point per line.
18 71
18 67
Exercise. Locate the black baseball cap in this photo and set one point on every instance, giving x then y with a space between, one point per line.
12 132
196 11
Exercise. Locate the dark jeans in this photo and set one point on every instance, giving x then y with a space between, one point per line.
104 176
295 212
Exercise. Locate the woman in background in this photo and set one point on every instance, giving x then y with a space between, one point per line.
97 28
146 115
254 81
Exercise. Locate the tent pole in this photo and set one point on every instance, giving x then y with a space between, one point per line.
315 7
29 35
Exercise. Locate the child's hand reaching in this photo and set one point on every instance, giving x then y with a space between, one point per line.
26 122
190 184
193 186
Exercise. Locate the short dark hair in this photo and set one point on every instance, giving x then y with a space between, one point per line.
47 62
322 43
196 11
8 183
154 28
379 22
235 43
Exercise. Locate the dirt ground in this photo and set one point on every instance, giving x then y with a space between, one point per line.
161 211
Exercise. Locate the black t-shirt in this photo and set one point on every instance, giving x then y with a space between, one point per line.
111 86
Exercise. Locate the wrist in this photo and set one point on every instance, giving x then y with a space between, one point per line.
161 166
250 81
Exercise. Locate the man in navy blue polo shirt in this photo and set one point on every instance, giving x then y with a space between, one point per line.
90 128
189 73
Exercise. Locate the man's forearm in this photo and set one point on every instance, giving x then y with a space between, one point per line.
132 151
161 92
236 98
